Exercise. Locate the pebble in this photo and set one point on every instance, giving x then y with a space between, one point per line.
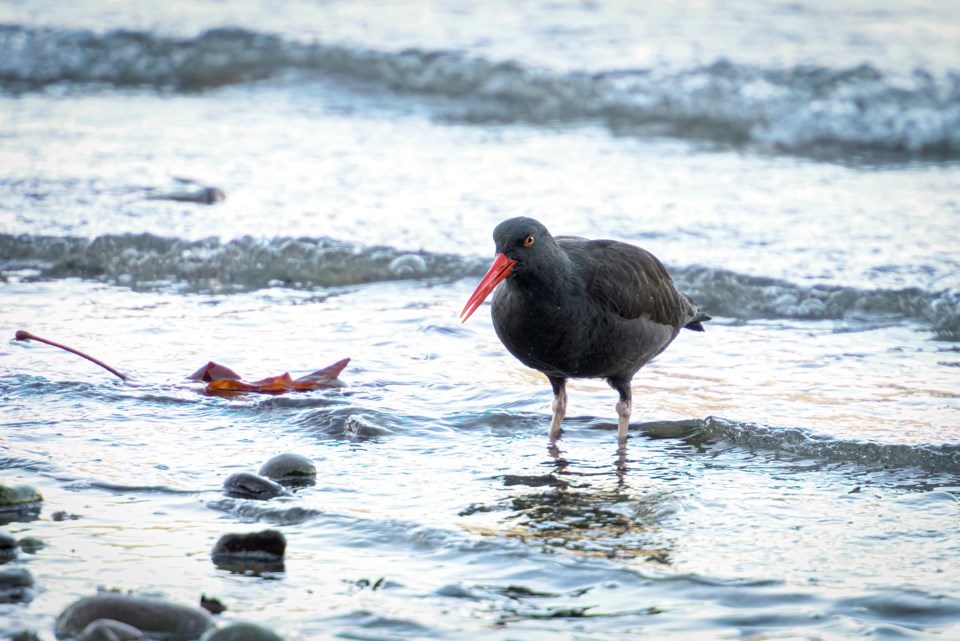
31 544
246 485
8 547
16 586
255 551
289 469
212 604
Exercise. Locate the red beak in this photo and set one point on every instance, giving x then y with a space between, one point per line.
499 270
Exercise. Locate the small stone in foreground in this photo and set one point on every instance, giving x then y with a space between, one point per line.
155 617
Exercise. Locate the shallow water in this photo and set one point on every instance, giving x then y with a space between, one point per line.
792 473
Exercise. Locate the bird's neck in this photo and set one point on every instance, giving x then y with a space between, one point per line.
554 281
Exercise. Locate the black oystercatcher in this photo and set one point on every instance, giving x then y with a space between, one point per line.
577 308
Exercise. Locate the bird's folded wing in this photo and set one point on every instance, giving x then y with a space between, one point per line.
632 282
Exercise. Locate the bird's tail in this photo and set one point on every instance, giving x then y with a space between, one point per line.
699 318
697 323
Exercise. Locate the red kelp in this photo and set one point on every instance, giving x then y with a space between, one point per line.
223 381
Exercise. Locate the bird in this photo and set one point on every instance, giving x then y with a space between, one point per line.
570 307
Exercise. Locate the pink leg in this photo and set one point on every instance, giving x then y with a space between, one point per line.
624 408
559 411
559 406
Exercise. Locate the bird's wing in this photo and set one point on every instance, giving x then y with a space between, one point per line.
630 281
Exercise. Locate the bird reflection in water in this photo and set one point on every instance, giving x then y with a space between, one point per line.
575 509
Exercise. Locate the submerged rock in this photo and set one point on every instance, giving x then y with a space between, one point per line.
18 496
31 544
8 547
241 632
246 485
154 617
254 552
16 586
289 469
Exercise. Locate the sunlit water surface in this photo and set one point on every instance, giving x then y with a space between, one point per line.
792 472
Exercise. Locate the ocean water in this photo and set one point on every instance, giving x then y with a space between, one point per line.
792 473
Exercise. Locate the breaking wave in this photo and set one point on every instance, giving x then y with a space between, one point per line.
146 261
805 443
726 293
803 109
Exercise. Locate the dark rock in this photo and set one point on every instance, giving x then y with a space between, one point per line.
109 630
199 194
156 618
289 469
245 485
253 552
25 635
13 496
16 586
19 503
31 544
8 547
212 605
241 632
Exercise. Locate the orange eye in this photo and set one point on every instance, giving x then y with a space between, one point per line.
528 241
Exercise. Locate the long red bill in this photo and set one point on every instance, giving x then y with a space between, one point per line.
499 270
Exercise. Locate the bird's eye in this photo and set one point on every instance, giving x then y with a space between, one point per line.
528 241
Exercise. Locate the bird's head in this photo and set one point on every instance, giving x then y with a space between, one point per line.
523 246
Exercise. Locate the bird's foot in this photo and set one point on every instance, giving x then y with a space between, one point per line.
555 429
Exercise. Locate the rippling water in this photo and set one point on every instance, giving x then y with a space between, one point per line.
791 473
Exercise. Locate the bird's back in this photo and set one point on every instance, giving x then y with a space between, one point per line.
618 310
629 281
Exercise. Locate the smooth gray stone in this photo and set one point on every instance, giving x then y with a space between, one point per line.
15 585
255 551
154 617
16 495
246 485
31 544
241 632
8 547
288 465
